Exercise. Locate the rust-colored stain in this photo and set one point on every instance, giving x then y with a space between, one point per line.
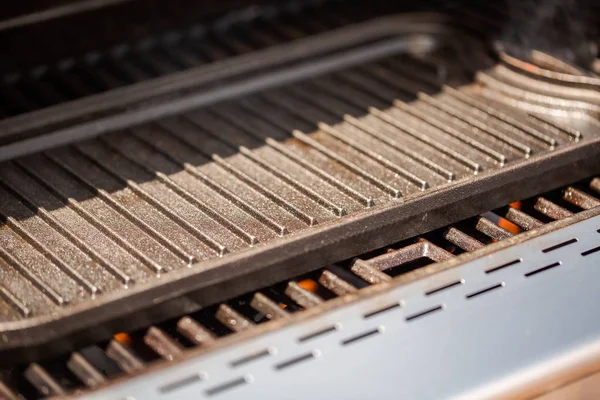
308 284
123 338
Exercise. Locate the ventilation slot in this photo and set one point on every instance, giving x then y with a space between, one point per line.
422 314
190 380
298 360
317 334
486 290
590 251
252 357
543 269
448 286
508 264
382 310
560 245
228 385
362 336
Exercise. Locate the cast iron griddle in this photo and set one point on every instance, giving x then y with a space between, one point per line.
183 191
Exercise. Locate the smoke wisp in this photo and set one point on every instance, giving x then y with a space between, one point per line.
566 29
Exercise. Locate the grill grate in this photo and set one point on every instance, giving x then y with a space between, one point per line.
402 262
134 201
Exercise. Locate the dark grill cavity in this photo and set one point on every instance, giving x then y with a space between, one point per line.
162 54
401 262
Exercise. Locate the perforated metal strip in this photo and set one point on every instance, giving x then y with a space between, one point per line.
513 315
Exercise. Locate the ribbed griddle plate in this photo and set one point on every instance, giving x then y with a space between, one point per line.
195 194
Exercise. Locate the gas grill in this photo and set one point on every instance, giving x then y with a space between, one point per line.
263 200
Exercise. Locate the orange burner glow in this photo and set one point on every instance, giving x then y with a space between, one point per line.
123 338
309 285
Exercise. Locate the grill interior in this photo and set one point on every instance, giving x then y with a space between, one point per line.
191 199
406 261
189 220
